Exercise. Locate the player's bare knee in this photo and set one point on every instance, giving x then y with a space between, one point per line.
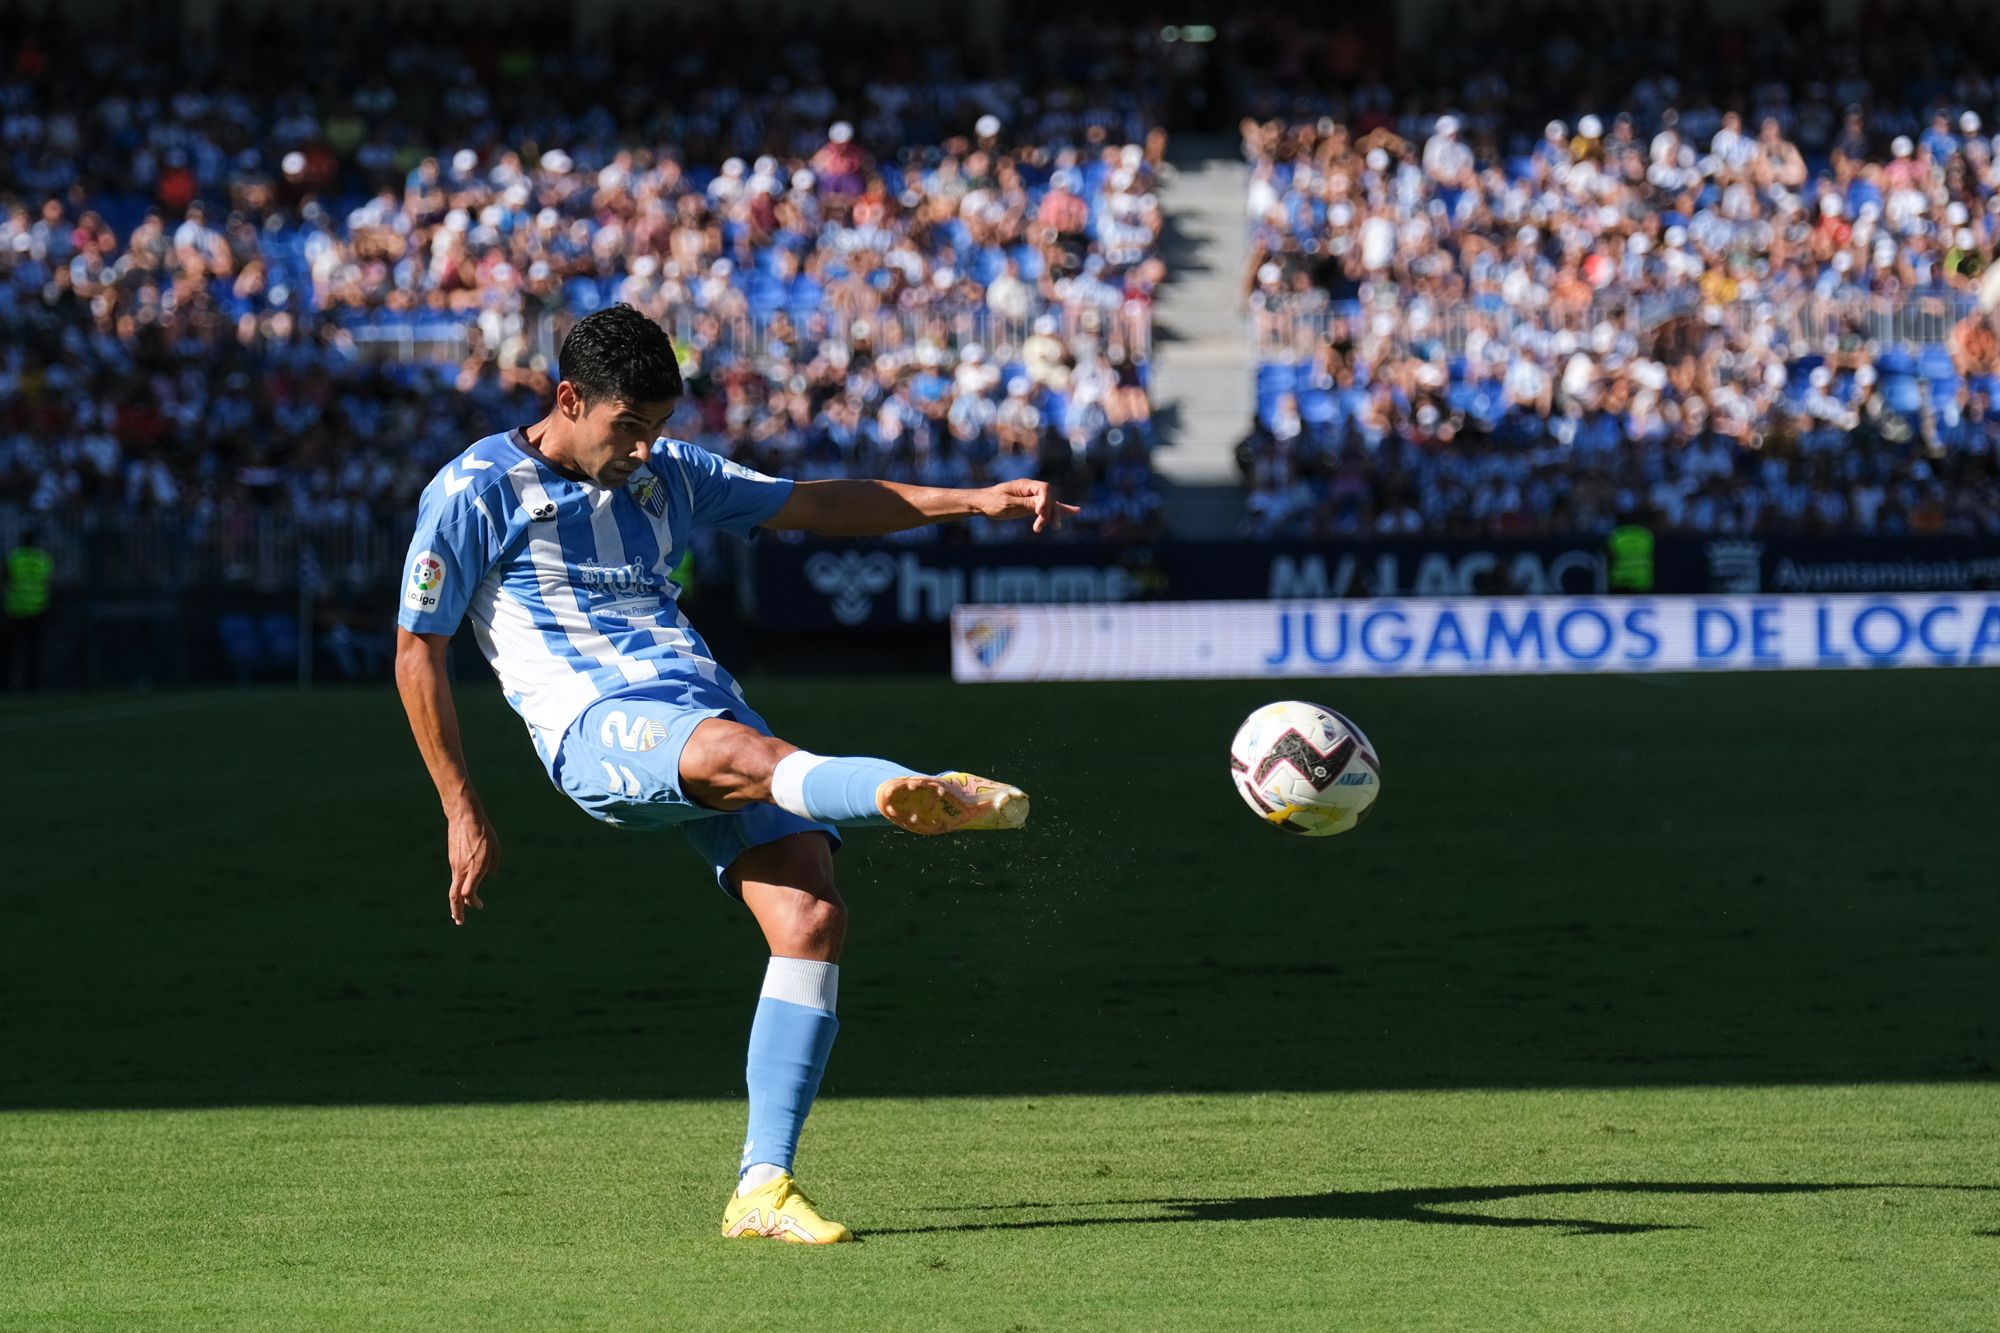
799 924
726 765
820 925
755 758
788 886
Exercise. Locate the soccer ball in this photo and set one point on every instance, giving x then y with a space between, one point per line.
1304 768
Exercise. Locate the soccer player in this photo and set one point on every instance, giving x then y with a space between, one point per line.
557 539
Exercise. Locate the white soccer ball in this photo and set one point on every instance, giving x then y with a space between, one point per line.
1304 768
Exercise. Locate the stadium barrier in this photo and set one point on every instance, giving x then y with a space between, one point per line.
268 550
891 587
947 326
535 337
909 584
410 340
151 596
1460 637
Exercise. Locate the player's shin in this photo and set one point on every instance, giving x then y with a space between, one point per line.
789 1043
833 789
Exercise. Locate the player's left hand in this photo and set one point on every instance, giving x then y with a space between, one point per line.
1024 499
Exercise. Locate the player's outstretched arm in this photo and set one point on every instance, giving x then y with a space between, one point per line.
873 508
473 846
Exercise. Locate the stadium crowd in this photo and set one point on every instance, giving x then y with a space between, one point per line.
1736 279
1729 276
874 257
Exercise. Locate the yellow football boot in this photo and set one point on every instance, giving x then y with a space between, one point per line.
951 803
778 1210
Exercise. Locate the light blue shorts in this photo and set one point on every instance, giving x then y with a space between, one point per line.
621 761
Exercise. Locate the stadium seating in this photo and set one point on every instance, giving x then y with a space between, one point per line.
1721 318
797 258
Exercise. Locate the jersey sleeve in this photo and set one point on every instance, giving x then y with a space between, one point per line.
723 494
449 556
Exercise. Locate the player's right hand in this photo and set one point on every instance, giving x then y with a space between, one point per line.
475 854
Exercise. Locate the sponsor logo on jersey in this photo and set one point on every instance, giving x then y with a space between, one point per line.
649 491
426 577
621 581
627 608
542 512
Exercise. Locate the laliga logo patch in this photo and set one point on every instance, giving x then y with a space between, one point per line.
648 490
426 577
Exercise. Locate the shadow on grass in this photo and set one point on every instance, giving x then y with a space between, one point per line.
261 922
1412 1205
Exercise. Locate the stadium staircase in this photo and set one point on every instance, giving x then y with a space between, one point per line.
1202 371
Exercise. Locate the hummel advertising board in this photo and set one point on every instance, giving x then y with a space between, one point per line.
1472 636
887 588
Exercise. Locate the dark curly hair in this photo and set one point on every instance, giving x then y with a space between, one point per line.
618 353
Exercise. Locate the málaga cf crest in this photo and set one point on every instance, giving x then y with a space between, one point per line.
649 491
989 637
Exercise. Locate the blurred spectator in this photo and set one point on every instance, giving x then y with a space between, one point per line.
24 611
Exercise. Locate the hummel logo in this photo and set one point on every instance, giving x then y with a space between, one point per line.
852 580
453 485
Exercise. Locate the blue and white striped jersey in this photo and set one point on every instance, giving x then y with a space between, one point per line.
567 582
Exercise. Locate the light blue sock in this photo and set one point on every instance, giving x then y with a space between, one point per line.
789 1042
833 790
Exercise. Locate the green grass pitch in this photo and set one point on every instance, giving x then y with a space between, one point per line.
1638 1004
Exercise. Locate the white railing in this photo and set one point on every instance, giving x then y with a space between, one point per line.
411 341
435 338
753 335
1293 330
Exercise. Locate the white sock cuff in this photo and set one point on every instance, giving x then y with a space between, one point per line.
803 981
788 781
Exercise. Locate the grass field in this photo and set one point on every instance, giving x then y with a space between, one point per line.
1639 1003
